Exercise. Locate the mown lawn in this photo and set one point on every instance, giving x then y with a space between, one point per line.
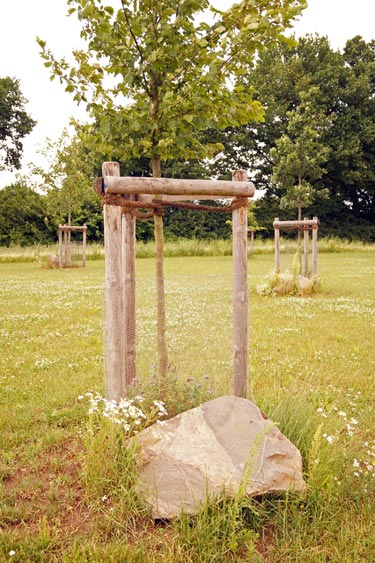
312 371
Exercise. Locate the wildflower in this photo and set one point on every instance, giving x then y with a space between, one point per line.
161 408
342 414
353 421
12 552
330 439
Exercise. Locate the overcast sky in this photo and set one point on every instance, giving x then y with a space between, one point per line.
51 107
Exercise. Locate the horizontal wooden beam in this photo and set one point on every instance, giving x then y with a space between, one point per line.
303 223
170 186
147 198
72 228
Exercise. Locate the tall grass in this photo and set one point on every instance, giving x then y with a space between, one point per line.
180 247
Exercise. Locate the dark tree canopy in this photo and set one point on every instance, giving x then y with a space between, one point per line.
344 86
15 123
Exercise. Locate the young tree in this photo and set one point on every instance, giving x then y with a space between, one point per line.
67 177
171 74
15 123
299 155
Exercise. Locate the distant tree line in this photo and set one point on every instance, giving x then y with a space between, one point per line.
313 154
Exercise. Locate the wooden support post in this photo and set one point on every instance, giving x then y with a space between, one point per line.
306 250
60 248
315 250
68 247
84 231
277 246
114 347
251 241
240 299
66 255
128 272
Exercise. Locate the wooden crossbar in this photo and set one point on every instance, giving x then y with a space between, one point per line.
72 228
170 186
295 224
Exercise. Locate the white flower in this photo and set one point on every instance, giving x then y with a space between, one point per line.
330 439
12 552
353 421
161 408
342 413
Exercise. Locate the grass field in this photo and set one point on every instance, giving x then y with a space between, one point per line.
66 496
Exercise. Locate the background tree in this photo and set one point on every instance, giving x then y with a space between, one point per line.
15 123
23 216
67 178
344 83
300 154
172 75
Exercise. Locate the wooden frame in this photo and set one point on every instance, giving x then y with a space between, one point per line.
64 246
306 225
119 240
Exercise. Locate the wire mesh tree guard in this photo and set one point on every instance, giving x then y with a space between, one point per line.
125 199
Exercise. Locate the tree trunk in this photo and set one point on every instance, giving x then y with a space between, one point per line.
160 290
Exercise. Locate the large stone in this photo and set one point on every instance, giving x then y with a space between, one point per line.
224 444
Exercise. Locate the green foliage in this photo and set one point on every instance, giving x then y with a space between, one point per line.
67 180
299 154
344 96
23 217
169 71
219 532
15 123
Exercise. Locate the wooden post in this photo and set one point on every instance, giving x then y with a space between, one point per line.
251 241
68 247
60 248
240 299
66 255
114 347
306 250
128 272
315 250
84 230
277 246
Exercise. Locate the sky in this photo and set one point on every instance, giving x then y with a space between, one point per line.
48 103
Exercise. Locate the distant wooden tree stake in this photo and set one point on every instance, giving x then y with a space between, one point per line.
64 247
306 225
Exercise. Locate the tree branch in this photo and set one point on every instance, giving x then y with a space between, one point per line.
145 83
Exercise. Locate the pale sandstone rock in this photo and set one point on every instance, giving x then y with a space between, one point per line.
225 443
